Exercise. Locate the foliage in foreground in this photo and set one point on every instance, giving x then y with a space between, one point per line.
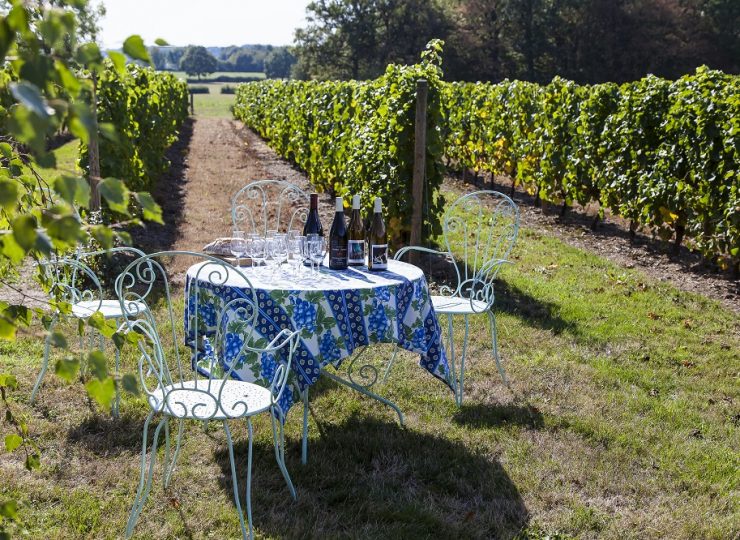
47 84
664 154
355 137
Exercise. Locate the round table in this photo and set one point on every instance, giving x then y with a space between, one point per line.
337 313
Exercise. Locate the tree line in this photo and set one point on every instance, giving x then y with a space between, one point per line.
198 60
587 41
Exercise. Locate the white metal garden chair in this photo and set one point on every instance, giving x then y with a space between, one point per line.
481 229
176 390
265 205
71 280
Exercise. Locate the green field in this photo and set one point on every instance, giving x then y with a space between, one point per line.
622 423
256 74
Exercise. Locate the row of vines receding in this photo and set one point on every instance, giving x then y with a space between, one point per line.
356 137
147 109
663 154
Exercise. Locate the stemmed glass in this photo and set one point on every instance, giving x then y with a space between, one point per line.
315 251
295 252
256 247
279 250
238 246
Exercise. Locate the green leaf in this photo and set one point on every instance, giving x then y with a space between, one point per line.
130 384
7 35
6 150
101 391
151 209
9 510
116 194
88 54
98 364
161 42
29 96
135 48
108 131
101 324
119 61
8 381
8 194
58 340
73 189
69 81
65 229
67 368
7 329
24 231
103 235
13 441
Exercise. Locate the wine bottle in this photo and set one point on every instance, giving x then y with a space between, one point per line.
313 223
377 240
356 245
338 239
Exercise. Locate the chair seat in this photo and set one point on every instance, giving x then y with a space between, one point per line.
458 306
190 399
111 309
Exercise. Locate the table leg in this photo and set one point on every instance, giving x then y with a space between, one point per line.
304 444
366 392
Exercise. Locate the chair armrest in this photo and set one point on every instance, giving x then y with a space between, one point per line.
401 252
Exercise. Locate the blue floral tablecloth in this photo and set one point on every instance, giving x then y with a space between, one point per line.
336 313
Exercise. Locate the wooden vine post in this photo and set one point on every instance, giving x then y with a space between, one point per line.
94 150
417 186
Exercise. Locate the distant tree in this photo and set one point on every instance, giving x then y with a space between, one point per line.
243 60
159 58
279 63
358 38
198 61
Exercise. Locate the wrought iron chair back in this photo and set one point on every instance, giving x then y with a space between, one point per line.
168 369
269 205
72 281
482 227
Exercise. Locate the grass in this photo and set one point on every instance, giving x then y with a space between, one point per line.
205 78
215 104
622 423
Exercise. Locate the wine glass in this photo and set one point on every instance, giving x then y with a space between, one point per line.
238 246
256 248
316 250
279 250
295 252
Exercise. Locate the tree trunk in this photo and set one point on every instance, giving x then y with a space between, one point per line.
564 209
633 229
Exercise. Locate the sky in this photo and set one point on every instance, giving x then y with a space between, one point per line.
198 22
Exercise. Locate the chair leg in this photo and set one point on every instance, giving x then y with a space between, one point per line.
168 470
145 480
461 379
304 441
235 481
279 441
451 356
117 402
45 361
492 320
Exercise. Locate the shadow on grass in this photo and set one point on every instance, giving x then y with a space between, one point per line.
371 478
482 415
533 311
104 435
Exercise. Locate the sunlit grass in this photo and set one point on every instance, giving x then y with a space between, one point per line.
622 424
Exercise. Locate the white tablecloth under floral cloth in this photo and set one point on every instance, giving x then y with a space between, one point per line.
337 312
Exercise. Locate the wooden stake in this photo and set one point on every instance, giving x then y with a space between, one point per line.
93 150
420 145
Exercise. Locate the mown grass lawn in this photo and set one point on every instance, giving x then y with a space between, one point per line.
622 422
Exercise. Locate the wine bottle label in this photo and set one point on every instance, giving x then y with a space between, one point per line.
356 252
379 253
338 256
